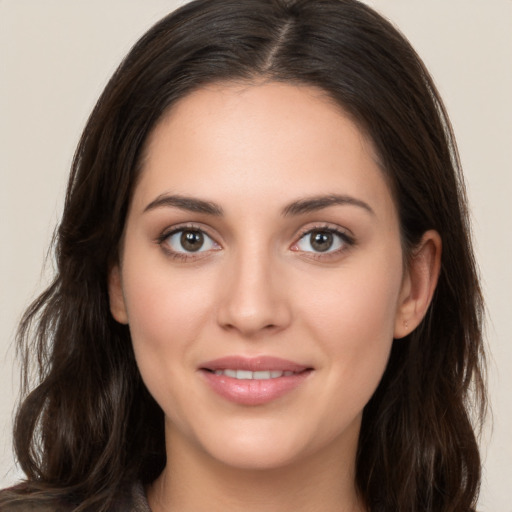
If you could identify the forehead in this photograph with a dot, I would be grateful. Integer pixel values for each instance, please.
(271, 139)
(269, 108)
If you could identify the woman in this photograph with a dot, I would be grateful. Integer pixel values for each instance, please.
(266, 289)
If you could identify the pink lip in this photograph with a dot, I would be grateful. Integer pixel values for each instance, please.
(252, 391)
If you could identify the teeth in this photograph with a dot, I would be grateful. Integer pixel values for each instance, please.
(243, 374)
(259, 375)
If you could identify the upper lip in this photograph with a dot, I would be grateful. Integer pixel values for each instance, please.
(254, 364)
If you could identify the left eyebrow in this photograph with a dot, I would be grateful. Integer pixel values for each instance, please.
(313, 204)
(190, 204)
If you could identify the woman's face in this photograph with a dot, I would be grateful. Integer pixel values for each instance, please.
(261, 275)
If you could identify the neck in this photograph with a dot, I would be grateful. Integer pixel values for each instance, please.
(194, 481)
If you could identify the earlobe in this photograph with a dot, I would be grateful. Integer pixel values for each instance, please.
(116, 297)
(419, 284)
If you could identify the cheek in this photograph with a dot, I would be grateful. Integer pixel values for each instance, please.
(161, 298)
(167, 310)
(352, 315)
(355, 300)
(166, 315)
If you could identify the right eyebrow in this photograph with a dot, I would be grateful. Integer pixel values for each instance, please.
(190, 204)
(313, 204)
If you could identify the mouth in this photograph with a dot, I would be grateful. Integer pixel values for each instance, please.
(248, 375)
(254, 381)
(255, 365)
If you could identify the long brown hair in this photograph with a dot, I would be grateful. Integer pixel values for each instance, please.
(89, 427)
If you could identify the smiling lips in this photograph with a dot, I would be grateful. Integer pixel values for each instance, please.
(248, 375)
(253, 381)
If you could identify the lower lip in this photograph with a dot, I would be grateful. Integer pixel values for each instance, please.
(254, 391)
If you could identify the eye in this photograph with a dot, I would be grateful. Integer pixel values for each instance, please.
(187, 241)
(323, 240)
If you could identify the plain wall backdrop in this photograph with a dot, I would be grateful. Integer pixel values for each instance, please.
(55, 58)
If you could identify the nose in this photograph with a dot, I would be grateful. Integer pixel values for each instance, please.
(254, 299)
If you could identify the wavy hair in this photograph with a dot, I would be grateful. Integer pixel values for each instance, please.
(88, 427)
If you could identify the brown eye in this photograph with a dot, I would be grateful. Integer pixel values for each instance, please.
(324, 240)
(321, 241)
(192, 240)
(188, 240)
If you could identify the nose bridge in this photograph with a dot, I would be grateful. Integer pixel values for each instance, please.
(252, 300)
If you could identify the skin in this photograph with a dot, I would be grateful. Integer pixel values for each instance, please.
(259, 287)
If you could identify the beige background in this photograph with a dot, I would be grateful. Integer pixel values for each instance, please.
(55, 58)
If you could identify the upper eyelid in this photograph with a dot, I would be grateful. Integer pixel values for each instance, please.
(184, 227)
(326, 227)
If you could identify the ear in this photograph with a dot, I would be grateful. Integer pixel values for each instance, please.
(116, 297)
(419, 284)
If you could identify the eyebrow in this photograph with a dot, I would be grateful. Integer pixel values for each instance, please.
(313, 204)
(190, 204)
(299, 207)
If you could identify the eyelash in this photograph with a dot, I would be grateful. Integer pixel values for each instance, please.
(347, 241)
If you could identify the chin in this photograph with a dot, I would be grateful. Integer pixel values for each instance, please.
(256, 457)
(252, 445)
(269, 445)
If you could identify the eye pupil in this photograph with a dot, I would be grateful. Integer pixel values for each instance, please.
(192, 240)
(321, 240)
